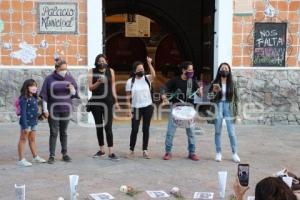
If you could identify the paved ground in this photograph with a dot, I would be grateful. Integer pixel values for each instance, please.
(266, 149)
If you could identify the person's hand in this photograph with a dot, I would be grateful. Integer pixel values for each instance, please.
(129, 113)
(100, 80)
(216, 89)
(117, 106)
(71, 87)
(165, 100)
(239, 190)
(149, 60)
(200, 91)
(46, 115)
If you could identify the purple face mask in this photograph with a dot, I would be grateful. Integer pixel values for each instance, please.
(189, 74)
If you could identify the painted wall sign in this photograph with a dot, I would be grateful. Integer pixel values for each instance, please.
(137, 26)
(269, 44)
(57, 18)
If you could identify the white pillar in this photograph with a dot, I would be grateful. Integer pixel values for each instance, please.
(223, 36)
(94, 35)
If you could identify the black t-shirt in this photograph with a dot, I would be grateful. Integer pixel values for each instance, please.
(179, 86)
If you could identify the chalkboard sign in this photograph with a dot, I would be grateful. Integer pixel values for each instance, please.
(57, 18)
(269, 44)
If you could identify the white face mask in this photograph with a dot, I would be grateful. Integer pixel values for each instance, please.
(62, 73)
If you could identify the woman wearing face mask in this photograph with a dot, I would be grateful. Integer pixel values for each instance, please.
(139, 101)
(59, 88)
(101, 81)
(183, 86)
(225, 97)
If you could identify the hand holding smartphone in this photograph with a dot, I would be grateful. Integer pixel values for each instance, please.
(216, 87)
(243, 174)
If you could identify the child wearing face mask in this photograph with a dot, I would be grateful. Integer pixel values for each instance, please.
(28, 121)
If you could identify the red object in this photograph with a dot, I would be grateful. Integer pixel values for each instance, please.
(193, 157)
(167, 156)
(18, 107)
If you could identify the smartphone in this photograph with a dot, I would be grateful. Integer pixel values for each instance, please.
(243, 174)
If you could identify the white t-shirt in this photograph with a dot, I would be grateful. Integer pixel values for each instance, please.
(140, 92)
(223, 92)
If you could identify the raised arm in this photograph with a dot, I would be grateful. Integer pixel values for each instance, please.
(151, 68)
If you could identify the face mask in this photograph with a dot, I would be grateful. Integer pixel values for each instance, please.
(189, 74)
(32, 89)
(101, 65)
(224, 73)
(62, 73)
(140, 73)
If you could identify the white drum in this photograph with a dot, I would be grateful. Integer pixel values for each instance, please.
(184, 116)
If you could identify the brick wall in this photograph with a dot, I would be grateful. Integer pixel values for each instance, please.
(287, 11)
(20, 21)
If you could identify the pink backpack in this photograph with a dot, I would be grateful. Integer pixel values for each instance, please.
(17, 106)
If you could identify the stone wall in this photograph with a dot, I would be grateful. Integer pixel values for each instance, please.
(11, 81)
(269, 97)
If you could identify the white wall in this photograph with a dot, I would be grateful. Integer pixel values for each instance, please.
(223, 36)
(94, 34)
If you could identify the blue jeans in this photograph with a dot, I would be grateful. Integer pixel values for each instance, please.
(224, 112)
(170, 135)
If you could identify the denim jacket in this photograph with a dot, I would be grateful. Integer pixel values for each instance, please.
(29, 112)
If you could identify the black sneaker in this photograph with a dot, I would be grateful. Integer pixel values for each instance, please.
(113, 157)
(99, 154)
(51, 160)
(66, 158)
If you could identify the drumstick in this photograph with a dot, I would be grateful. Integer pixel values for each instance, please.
(193, 93)
(175, 94)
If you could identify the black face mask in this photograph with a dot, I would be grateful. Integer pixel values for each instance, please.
(101, 65)
(140, 73)
(224, 73)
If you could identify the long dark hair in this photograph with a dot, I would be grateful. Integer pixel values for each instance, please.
(98, 57)
(229, 81)
(25, 91)
(134, 66)
(273, 188)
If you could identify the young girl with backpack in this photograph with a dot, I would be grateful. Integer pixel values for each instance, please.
(139, 101)
(28, 111)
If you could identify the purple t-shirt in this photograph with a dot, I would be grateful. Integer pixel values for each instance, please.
(56, 93)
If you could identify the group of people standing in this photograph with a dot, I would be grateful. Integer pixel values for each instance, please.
(59, 88)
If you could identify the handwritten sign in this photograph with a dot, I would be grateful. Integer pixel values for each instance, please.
(269, 44)
(138, 27)
(57, 18)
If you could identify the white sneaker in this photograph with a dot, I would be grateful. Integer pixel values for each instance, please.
(24, 163)
(218, 157)
(38, 159)
(236, 158)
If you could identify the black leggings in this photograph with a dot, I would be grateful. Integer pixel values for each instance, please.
(101, 114)
(138, 113)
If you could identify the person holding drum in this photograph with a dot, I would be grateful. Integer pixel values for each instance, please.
(139, 101)
(223, 93)
(182, 89)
